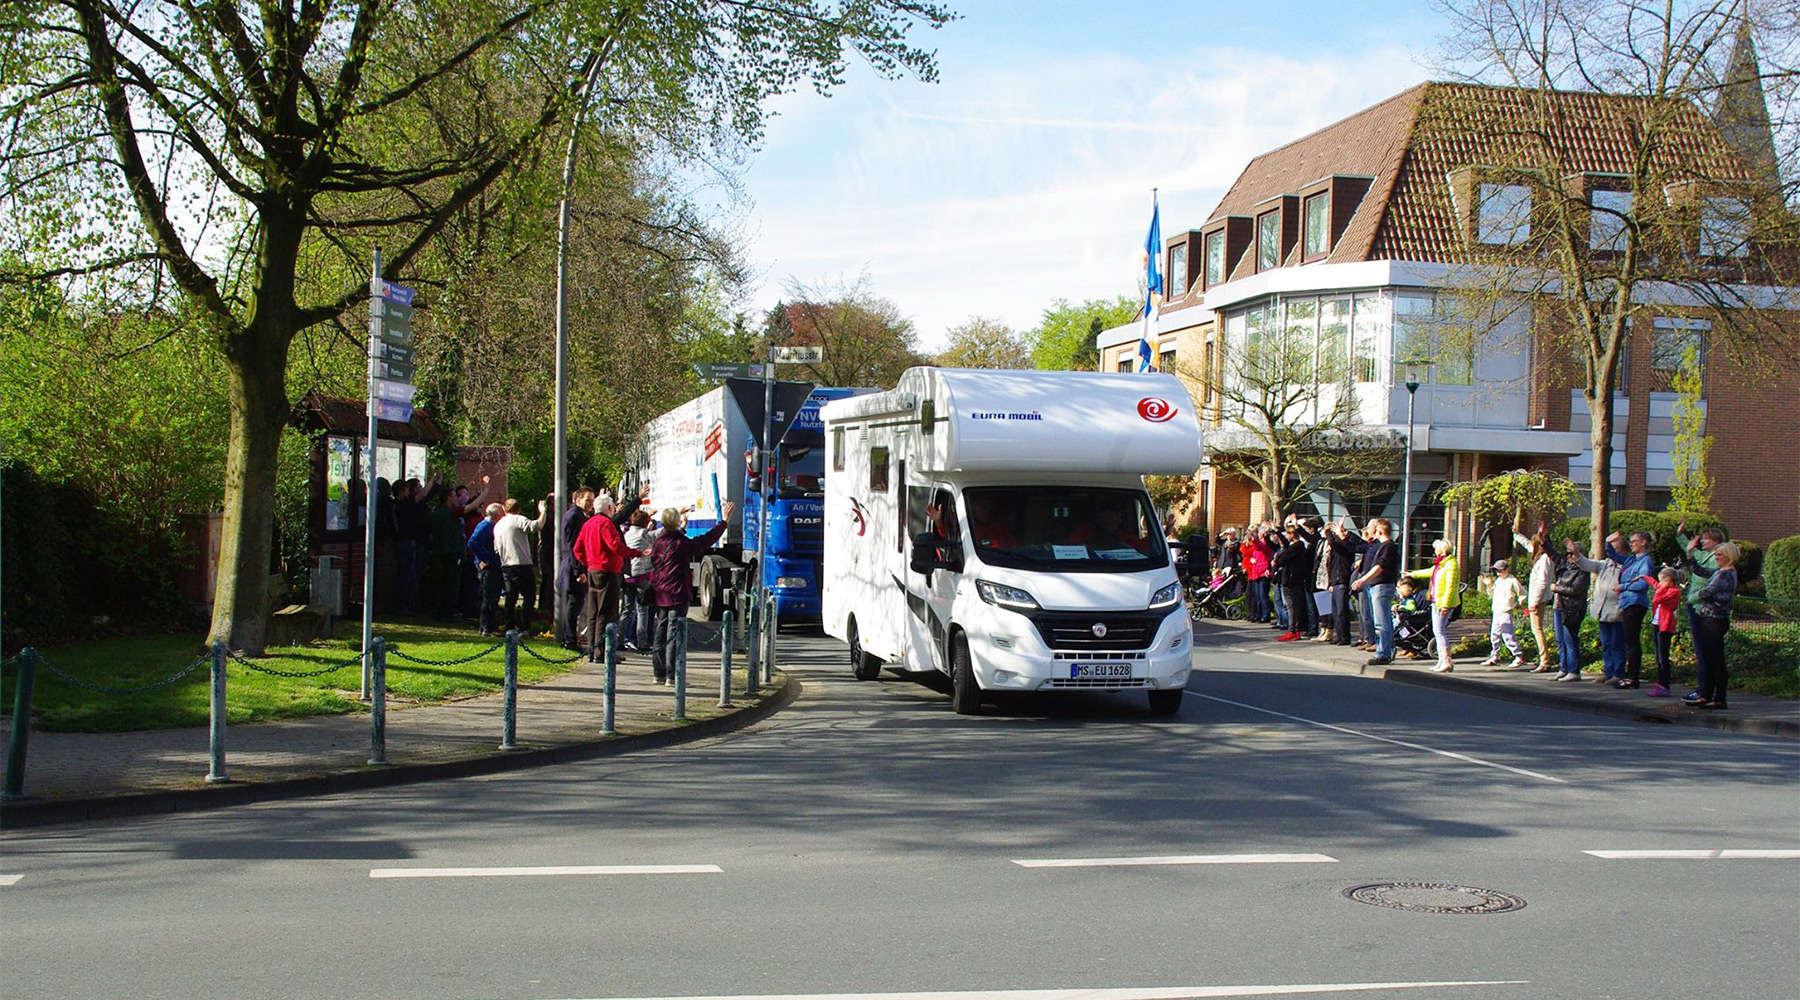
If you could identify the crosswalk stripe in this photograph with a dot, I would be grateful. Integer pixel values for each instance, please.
(10, 879)
(1728, 854)
(545, 870)
(1153, 993)
(1179, 859)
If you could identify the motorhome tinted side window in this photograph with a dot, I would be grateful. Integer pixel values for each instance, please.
(878, 470)
(837, 449)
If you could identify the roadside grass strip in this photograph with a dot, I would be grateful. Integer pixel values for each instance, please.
(545, 870)
(1179, 859)
(10, 879)
(1383, 739)
(1727, 854)
(1152, 993)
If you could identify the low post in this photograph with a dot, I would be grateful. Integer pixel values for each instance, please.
(509, 701)
(21, 725)
(680, 666)
(215, 772)
(772, 625)
(378, 702)
(725, 644)
(611, 690)
(752, 642)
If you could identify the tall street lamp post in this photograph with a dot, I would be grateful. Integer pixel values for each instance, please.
(1413, 371)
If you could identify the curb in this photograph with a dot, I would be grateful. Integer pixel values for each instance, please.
(1670, 714)
(27, 812)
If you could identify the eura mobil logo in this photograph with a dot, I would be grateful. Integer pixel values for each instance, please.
(1155, 410)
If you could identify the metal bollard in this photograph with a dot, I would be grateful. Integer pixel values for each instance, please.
(725, 643)
(215, 773)
(378, 702)
(509, 701)
(752, 643)
(21, 725)
(769, 630)
(679, 663)
(612, 680)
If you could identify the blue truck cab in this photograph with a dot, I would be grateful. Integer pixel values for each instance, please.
(795, 495)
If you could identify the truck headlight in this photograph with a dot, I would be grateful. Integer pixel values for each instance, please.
(1002, 596)
(790, 581)
(1167, 597)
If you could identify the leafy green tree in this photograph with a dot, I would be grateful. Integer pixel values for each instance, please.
(1690, 491)
(1064, 338)
(867, 341)
(981, 342)
(251, 155)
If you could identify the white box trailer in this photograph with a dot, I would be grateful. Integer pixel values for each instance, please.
(994, 526)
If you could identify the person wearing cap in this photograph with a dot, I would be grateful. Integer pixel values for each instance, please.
(1507, 595)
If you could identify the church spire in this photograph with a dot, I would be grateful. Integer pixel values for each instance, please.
(1742, 112)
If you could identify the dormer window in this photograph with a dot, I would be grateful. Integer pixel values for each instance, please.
(1178, 270)
(1607, 228)
(1268, 241)
(1315, 227)
(1503, 214)
(1215, 258)
(1725, 228)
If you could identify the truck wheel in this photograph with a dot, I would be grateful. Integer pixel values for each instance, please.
(863, 667)
(712, 594)
(1165, 702)
(965, 691)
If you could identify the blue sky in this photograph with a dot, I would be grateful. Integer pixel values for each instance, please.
(1025, 173)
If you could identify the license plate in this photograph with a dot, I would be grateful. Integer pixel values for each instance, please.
(1107, 671)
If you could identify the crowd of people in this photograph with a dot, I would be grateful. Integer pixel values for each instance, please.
(454, 554)
(1329, 582)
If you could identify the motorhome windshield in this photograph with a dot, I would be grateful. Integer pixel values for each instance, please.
(1064, 528)
(802, 470)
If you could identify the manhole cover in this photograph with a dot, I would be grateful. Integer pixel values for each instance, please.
(1434, 897)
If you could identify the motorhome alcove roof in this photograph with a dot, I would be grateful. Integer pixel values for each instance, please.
(1014, 421)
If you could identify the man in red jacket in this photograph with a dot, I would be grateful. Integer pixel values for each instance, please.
(601, 548)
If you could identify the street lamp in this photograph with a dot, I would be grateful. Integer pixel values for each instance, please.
(1415, 371)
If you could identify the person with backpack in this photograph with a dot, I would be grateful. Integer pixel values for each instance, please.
(1570, 597)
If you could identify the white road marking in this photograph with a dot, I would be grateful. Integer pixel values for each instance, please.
(10, 879)
(1383, 739)
(550, 870)
(1180, 859)
(1162, 993)
(1722, 855)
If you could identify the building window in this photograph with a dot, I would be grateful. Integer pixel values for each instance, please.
(1178, 271)
(1215, 259)
(1412, 331)
(1268, 241)
(1127, 363)
(1368, 323)
(1209, 373)
(1607, 227)
(837, 449)
(1300, 336)
(1315, 240)
(1675, 344)
(1334, 339)
(878, 470)
(1504, 217)
(1657, 500)
(1725, 228)
(1165, 362)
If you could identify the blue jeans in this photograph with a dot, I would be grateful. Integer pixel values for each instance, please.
(1568, 631)
(1282, 613)
(1363, 606)
(1381, 599)
(1612, 648)
(1259, 600)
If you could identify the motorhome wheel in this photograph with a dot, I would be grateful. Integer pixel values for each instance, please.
(862, 666)
(965, 691)
(1165, 702)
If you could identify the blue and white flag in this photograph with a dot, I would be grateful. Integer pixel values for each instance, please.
(1153, 284)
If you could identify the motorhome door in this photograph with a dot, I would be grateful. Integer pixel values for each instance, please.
(931, 511)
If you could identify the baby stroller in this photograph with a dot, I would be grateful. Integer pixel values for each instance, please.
(1220, 597)
(1412, 631)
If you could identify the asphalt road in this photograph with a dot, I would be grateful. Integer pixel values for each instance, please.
(867, 841)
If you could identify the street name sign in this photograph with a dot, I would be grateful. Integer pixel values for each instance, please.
(796, 355)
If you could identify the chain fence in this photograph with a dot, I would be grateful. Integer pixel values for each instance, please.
(273, 672)
(88, 685)
(553, 661)
(395, 651)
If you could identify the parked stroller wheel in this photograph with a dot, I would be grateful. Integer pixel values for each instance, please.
(1234, 612)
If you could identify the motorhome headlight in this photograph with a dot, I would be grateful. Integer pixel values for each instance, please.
(1002, 596)
(1167, 597)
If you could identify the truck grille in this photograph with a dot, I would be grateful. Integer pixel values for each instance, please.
(1064, 630)
(807, 537)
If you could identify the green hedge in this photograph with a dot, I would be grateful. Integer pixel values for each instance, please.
(1664, 549)
(1781, 574)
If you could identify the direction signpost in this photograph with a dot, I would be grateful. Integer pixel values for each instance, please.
(390, 398)
(719, 373)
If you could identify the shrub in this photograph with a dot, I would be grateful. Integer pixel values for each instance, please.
(1662, 527)
(1750, 562)
(1781, 575)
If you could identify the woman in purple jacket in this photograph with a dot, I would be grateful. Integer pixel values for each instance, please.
(672, 582)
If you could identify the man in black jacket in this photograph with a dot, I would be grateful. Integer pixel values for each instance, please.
(1344, 550)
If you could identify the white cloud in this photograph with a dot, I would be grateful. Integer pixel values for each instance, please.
(1027, 178)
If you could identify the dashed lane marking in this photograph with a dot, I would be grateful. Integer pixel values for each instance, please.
(1383, 739)
(1180, 859)
(1728, 854)
(1155, 993)
(10, 879)
(546, 870)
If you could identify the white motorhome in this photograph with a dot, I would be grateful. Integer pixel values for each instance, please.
(994, 526)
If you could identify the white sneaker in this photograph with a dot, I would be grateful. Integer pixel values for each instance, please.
(1490, 662)
(1518, 661)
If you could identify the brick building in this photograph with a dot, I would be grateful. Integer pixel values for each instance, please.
(1368, 236)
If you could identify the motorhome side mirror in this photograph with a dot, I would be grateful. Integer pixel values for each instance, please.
(925, 554)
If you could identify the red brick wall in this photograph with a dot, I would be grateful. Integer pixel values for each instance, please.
(1754, 421)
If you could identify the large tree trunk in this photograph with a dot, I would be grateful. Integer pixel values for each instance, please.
(1600, 437)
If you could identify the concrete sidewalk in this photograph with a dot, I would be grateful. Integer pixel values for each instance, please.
(71, 777)
(1748, 713)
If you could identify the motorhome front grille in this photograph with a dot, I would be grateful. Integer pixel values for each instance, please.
(1096, 657)
(1098, 682)
(1106, 630)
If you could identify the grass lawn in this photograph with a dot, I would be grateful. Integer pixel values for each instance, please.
(254, 696)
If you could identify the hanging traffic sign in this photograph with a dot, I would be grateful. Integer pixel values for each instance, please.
(399, 392)
(389, 350)
(396, 371)
(387, 409)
